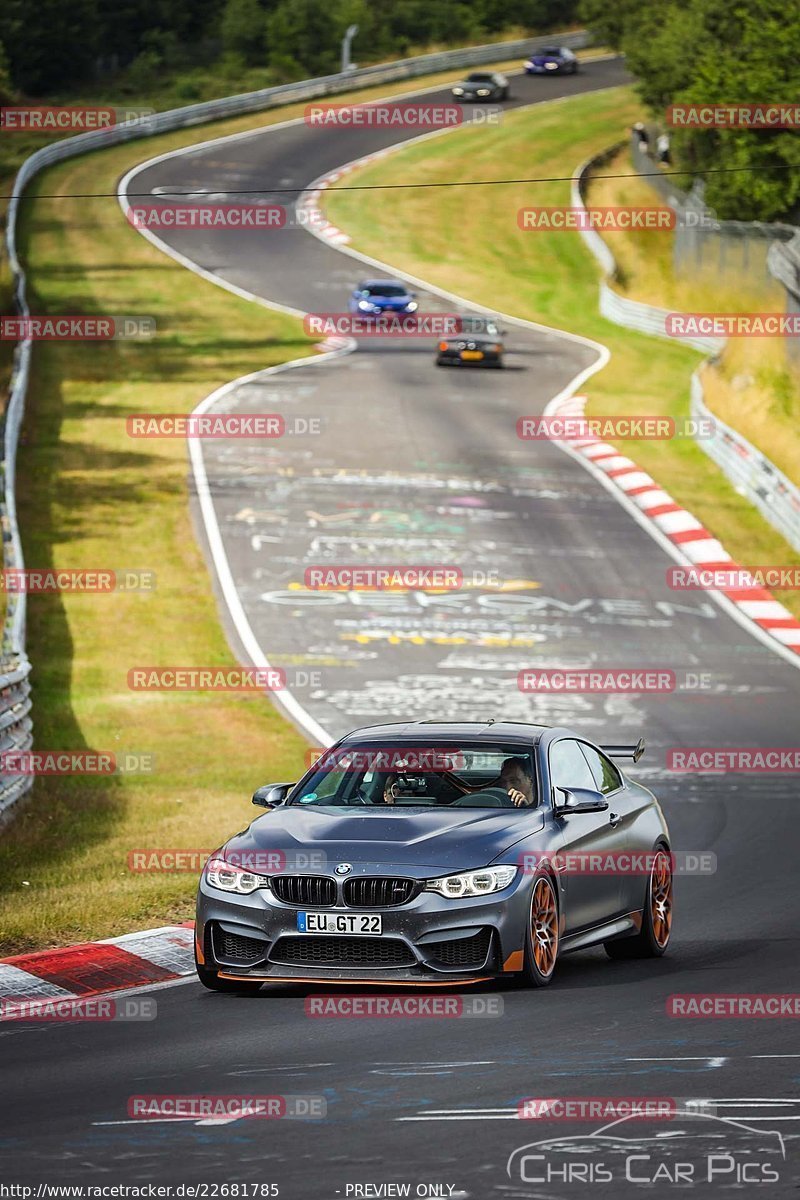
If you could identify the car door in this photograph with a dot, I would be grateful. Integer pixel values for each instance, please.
(625, 806)
(592, 894)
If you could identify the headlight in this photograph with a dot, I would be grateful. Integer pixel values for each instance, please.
(412, 306)
(458, 91)
(483, 91)
(224, 875)
(551, 66)
(365, 305)
(473, 883)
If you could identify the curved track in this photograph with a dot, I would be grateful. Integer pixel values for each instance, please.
(414, 455)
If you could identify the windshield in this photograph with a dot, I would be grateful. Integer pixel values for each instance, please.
(384, 289)
(400, 775)
(479, 79)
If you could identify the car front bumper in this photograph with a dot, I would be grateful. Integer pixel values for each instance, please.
(429, 940)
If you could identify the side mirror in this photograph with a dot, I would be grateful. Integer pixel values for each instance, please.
(581, 800)
(272, 795)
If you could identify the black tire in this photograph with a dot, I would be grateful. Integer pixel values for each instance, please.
(575, 68)
(652, 939)
(210, 979)
(506, 94)
(534, 972)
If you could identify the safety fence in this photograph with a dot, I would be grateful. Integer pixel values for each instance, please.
(704, 242)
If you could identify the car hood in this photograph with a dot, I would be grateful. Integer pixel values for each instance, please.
(539, 60)
(407, 839)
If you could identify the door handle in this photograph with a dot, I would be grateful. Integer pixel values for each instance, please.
(613, 820)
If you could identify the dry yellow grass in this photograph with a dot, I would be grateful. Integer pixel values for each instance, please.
(754, 387)
(550, 277)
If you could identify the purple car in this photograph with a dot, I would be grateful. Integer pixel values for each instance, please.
(553, 60)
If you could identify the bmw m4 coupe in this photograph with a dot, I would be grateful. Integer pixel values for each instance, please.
(433, 853)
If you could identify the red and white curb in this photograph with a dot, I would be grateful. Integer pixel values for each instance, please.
(310, 213)
(681, 528)
(135, 960)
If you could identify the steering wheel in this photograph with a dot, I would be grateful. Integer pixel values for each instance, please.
(496, 797)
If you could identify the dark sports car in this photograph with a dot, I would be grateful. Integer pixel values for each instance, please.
(482, 85)
(433, 853)
(480, 344)
(555, 60)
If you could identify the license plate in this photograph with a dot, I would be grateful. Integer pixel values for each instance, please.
(472, 355)
(345, 923)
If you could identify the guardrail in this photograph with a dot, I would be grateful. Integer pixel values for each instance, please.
(15, 721)
(631, 314)
(783, 262)
(750, 471)
(704, 240)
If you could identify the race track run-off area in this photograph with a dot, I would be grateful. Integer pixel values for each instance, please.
(415, 464)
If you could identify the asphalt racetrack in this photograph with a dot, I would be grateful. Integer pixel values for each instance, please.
(414, 455)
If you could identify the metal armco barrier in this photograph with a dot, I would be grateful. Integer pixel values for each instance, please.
(783, 262)
(750, 471)
(15, 721)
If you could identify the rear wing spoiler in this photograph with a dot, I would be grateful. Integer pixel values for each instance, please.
(632, 752)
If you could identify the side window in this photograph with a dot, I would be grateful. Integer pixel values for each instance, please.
(568, 767)
(607, 777)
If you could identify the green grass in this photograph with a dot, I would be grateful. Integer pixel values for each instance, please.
(90, 496)
(548, 277)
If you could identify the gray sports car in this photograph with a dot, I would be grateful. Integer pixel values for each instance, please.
(434, 853)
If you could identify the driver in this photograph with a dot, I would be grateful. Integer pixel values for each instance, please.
(516, 780)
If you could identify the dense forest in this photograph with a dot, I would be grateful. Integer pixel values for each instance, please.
(53, 45)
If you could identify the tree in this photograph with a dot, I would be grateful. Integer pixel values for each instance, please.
(749, 54)
(243, 33)
(50, 44)
(717, 52)
(610, 23)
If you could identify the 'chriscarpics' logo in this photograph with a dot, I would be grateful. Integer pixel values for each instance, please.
(691, 1148)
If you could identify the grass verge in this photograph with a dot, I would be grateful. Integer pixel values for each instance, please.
(549, 277)
(754, 386)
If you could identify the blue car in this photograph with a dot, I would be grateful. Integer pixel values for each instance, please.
(553, 60)
(376, 296)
